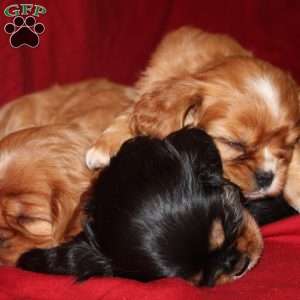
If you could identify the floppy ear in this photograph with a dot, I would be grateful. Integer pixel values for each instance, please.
(169, 106)
(28, 217)
(200, 148)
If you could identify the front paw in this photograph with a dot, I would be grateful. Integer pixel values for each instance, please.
(108, 144)
(97, 157)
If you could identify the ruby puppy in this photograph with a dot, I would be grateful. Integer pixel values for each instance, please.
(44, 137)
(209, 81)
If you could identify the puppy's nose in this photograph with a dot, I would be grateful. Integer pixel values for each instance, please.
(264, 178)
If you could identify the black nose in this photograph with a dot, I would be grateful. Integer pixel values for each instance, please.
(263, 178)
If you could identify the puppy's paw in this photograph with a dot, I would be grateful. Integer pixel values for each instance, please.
(107, 145)
(97, 157)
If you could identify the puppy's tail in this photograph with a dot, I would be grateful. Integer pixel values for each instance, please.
(270, 209)
(80, 257)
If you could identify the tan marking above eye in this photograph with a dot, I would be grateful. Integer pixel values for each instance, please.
(217, 235)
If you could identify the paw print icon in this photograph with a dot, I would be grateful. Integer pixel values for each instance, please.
(24, 32)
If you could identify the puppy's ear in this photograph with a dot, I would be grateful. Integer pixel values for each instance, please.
(32, 218)
(80, 257)
(200, 148)
(168, 106)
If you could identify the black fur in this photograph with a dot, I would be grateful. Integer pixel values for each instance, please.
(151, 213)
(270, 209)
(77, 257)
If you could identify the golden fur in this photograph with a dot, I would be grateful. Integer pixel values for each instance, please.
(42, 171)
(248, 106)
(292, 187)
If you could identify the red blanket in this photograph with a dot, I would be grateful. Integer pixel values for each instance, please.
(114, 38)
(276, 277)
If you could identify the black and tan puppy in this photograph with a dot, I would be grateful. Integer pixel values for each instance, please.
(160, 209)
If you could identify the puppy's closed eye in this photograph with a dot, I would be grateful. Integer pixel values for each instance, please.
(27, 217)
(231, 149)
(239, 146)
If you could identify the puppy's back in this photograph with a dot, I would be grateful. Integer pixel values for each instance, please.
(191, 50)
(78, 102)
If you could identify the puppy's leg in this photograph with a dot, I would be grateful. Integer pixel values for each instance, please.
(110, 141)
(78, 257)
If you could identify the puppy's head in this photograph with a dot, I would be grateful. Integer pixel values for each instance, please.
(162, 209)
(252, 111)
(41, 178)
(249, 107)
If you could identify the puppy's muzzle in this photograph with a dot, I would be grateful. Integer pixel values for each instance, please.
(264, 178)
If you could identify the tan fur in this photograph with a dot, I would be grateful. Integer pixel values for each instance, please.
(248, 106)
(42, 171)
(292, 187)
(250, 239)
(217, 235)
(249, 244)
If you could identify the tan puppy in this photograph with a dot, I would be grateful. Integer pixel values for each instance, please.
(248, 106)
(42, 169)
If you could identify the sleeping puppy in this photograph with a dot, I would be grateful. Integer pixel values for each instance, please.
(42, 179)
(42, 170)
(89, 102)
(209, 81)
(160, 209)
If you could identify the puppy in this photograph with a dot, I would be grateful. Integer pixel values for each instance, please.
(160, 209)
(42, 169)
(209, 81)
(87, 102)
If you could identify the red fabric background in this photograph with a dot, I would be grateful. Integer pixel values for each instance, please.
(114, 38)
(276, 277)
